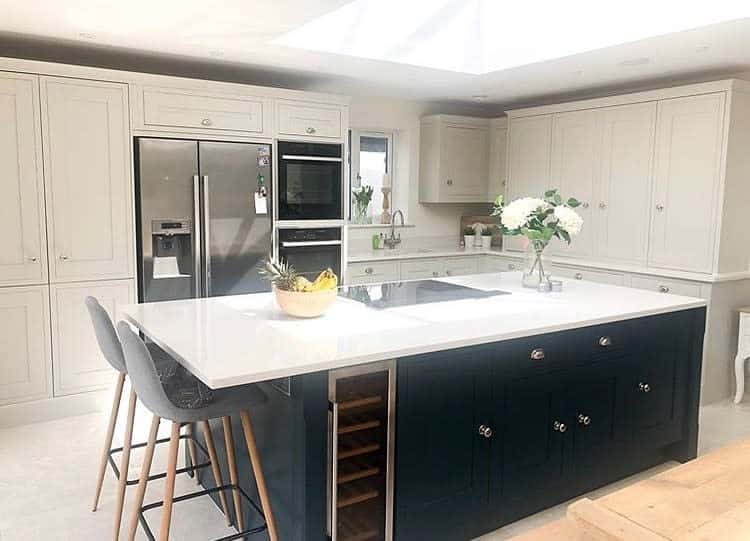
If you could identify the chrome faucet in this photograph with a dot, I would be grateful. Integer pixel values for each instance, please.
(392, 241)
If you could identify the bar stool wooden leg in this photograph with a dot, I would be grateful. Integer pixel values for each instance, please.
(108, 438)
(215, 468)
(229, 444)
(260, 480)
(148, 457)
(124, 464)
(192, 451)
(166, 516)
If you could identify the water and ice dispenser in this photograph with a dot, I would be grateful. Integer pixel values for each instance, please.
(172, 249)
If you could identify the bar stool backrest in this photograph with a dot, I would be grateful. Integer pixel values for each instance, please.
(106, 335)
(145, 378)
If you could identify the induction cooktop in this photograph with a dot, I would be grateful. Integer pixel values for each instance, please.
(393, 294)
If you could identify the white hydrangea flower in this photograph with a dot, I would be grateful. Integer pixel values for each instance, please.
(569, 220)
(516, 214)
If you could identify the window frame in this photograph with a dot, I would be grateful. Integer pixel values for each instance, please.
(354, 135)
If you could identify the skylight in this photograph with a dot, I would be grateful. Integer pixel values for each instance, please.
(482, 36)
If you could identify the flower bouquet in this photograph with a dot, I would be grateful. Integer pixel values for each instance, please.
(539, 220)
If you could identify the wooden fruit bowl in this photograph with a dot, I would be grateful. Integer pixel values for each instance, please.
(305, 304)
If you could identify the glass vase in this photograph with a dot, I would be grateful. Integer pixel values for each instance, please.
(535, 273)
(360, 214)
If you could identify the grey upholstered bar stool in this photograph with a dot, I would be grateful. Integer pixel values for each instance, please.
(111, 348)
(225, 403)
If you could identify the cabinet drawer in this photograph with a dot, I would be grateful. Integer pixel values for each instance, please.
(163, 107)
(493, 263)
(420, 269)
(461, 266)
(602, 340)
(602, 277)
(309, 120)
(372, 272)
(662, 285)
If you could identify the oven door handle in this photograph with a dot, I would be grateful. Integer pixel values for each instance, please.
(290, 244)
(310, 158)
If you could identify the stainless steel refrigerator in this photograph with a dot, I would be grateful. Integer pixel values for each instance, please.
(204, 217)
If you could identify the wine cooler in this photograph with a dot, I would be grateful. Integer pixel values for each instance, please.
(361, 449)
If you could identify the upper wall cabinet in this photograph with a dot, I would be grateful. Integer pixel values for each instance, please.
(454, 156)
(88, 178)
(309, 120)
(23, 244)
(498, 166)
(686, 182)
(662, 174)
(196, 111)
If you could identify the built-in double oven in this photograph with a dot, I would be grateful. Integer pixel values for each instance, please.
(311, 181)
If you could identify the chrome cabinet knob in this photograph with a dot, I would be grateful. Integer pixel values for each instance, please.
(659, 207)
(33, 259)
(368, 270)
(605, 341)
(584, 420)
(663, 289)
(602, 205)
(435, 274)
(511, 266)
(448, 273)
(485, 431)
(63, 257)
(557, 426)
(310, 130)
(578, 276)
(644, 387)
(537, 354)
(449, 182)
(206, 122)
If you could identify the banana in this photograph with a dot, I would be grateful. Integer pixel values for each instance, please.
(326, 280)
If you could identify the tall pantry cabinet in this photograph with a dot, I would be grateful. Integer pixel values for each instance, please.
(65, 229)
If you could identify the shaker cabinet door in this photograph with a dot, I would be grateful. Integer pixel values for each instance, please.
(528, 162)
(87, 163)
(25, 360)
(23, 242)
(687, 167)
(464, 156)
(622, 208)
(79, 363)
(442, 461)
(573, 171)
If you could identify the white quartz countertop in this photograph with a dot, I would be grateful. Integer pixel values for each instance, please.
(228, 341)
(387, 254)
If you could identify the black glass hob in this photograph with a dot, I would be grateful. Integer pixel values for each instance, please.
(394, 294)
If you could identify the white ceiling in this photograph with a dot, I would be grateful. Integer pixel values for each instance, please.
(246, 33)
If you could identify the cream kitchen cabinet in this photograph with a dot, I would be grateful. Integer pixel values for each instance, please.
(590, 275)
(372, 272)
(87, 163)
(498, 164)
(622, 206)
(529, 150)
(667, 285)
(79, 365)
(25, 359)
(454, 159)
(202, 111)
(23, 241)
(688, 159)
(309, 119)
(573, 171)
(460, 266)
(496, 263)
(422, 269)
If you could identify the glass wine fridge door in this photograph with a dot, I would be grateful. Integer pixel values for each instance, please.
(361, 445)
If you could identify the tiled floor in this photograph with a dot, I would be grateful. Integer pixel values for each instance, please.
(47, 475)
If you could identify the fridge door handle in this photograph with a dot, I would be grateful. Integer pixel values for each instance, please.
(206, 237)
(196, 234)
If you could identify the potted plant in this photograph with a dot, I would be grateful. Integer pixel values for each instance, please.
(487, 237)
(539, 220)
(362, 199)
(295, 294)
(468, 237)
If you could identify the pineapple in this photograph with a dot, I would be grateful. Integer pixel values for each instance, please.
(281, 274)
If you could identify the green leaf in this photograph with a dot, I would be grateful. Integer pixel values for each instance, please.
(550, 193)
(573, 202)
(558, 199)
(564, 234)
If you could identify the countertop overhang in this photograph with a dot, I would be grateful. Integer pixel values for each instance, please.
(227, 341)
